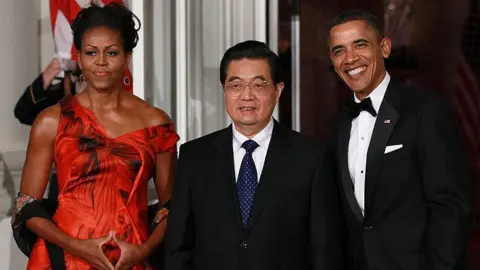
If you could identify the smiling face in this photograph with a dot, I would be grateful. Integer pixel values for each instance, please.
(357, 55)
(102, 58)
(250, 94)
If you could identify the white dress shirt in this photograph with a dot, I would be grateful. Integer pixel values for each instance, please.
(263, 140)
(360, 135)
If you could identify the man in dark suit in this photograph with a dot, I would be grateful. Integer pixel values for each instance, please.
(254, 195)
(404, 177)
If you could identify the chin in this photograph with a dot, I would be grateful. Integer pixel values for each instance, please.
(102, 86)
(357, 87)
(247, 122)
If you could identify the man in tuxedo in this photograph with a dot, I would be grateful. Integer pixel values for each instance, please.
(403, 174)
(254, 195)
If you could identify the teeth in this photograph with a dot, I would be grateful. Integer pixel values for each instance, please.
(246, 109)
(356, 71)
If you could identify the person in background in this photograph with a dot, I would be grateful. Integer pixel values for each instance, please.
(43, 92)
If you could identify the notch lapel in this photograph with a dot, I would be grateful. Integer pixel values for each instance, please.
(346, 180)
(225, 178)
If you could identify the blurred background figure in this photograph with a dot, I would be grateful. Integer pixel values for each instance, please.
(46, 90)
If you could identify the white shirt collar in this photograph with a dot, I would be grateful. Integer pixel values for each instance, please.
(378, 93)
(262, 138)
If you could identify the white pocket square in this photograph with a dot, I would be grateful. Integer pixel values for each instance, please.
(392, 148)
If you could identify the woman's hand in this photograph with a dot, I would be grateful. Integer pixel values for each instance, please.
(130, 254)
(90, 251)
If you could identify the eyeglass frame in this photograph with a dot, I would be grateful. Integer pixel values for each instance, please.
(249, 84)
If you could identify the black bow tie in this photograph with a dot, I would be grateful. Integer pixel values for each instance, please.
(354, 108)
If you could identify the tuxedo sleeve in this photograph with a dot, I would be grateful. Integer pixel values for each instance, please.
(35, 99)
(326, 234)
(179, 239)
(447, 186)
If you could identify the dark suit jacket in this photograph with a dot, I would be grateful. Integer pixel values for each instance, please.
(35, 99)
(417, 198)
(294, 222)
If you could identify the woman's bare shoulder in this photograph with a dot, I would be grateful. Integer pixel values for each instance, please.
(46, 123)
(153, 116)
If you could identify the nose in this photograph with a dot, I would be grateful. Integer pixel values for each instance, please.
(351, 57)
(101, 60)
(247, 93)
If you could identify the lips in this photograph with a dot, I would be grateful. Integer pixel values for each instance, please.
(101, 73)
(247, 109)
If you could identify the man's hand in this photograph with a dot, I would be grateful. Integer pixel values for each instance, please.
(50, 73)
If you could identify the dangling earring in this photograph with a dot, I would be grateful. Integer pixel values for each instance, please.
(81, 78)
(126, 81)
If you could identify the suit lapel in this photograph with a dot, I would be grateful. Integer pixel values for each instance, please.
(226, 175)
(342, 150)
(273, 169)
(384, 125)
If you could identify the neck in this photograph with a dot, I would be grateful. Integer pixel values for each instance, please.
(250, 131)
(103, 99)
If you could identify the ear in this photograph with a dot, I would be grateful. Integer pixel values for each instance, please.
(79, 62)
(330, 54)
(386, 47)
(279, 87)
(128, 57)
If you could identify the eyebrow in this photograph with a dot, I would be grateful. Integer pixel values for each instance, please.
(107, 47)
(233, 78)
(361, 40)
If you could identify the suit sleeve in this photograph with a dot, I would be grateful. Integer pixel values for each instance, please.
(326, 226)
(179, 239)
(35, 99)
(447, 186)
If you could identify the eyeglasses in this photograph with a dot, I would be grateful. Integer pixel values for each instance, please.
(236, 87)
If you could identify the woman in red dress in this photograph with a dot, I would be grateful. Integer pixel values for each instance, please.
(106, 144)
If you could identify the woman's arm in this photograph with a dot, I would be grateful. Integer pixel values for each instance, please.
(164, 174)
(36, 170)
(38, 163)
(166, 163)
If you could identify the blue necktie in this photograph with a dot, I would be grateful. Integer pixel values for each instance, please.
(247, 180)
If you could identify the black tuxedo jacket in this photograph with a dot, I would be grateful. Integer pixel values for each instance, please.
(417, 198)
(295, 216)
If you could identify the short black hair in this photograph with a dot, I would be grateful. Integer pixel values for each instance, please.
(357, 15)
(114, 16)
(251, 49)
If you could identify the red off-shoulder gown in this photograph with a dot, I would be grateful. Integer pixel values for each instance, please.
(102, 182)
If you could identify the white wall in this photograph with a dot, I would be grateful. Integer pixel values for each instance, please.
(47, 48)
(210, 27)
(19, 57)
(19, 54)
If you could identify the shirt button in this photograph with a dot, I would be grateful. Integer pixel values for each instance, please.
(361, 171)
(362, 138)
(243, 245)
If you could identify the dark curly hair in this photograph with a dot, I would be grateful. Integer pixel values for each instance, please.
(114, 16)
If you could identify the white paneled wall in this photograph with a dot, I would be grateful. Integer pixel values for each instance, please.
(207, 28)
(19, 51)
